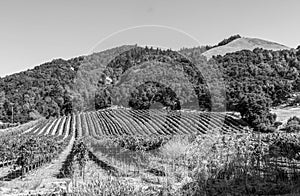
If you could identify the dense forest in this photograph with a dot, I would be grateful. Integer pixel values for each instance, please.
(53, 89)
(119, 70)
(42, 91)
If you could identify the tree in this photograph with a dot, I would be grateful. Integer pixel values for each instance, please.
(254, 109)
(293, 125)
(2, 98)
(150, 92)
(2, 102)
(102, 99)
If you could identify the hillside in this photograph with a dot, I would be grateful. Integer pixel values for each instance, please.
(55, 88)
(62, 87)
(244, 43)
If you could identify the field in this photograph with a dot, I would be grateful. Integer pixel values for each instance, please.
(283, 114)
(144, 152)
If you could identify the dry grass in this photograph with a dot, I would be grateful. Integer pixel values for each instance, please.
(283, 114)
(243, 44)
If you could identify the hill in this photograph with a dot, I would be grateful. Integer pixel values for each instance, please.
(62, 87)
(55, 88)
(243, 43)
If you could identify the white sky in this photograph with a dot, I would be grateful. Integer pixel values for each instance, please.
(33, 31)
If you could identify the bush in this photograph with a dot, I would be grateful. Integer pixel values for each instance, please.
(294, 120)
(296, 101)
(293, 129)
(136, 143)
(293, 125)
(266, 129)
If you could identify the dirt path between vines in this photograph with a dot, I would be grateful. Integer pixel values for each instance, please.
(41, 180)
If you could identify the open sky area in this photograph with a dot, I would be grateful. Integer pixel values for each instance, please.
(33, 32)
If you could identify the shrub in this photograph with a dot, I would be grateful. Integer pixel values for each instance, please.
(296, 100)
(293, 120)
(143, 143)
(293, 125)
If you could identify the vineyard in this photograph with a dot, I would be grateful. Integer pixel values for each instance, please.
(32, 145)
(51, 148)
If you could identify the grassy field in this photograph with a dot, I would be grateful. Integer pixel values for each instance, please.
(283, 114)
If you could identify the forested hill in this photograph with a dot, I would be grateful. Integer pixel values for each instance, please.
(44, 90)
(63, 86)
(55, 88)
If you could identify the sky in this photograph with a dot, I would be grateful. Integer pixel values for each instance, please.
(33, 32)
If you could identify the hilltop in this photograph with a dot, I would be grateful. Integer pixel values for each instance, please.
(243, 43)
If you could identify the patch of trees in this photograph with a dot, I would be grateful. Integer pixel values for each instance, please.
(224, 42)
(149, 93)
(293, 125)
(42, 91)
(192, 51)
(102, 99)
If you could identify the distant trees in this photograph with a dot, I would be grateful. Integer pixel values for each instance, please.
(2, 102)
(103, 99)
(42, 91)
(228, 40)
(137, 56)
(149, 93)
(224, 42)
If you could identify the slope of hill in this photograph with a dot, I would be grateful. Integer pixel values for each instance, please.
(55, 88)
(244, 44)
(62, 86)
